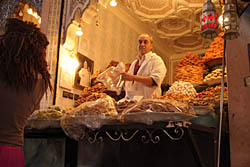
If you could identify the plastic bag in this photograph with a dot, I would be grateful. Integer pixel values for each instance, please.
(92, 114)
(46, 118)
(153, 105)
(102, 106)
(51, 113)
(112, 79)
(149, 110)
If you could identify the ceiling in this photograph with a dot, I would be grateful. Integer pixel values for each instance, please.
(175, 22)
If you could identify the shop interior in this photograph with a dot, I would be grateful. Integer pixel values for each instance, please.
(88, 37)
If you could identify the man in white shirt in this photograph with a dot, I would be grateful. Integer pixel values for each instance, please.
(146, 73)
(84, 75)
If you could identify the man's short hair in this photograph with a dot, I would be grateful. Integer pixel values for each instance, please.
(146, 35)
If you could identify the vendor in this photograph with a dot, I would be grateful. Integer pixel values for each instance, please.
(146, 73)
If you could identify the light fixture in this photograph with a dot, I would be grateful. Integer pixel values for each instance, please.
(113, 3)
(30, 11)
(209, 20)
(39, 21)
(79, 31)
(220, 20)
(35, 15)
(230, 24)
(20, 13)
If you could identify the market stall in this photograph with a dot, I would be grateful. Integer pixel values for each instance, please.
(102, 150)
(99, 120)
(196, 84)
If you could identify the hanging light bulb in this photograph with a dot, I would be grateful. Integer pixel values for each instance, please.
(35, 15)
(113, 3)
(30, 11)
(39, 21)
(209, 22)
(79, 31)
(221, 20)
(230, 23)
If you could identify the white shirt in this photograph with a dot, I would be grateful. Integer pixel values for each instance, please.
(153, 66)
(85, 77)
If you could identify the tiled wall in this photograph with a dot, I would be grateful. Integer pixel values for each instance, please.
(52, 35)
(111, 40)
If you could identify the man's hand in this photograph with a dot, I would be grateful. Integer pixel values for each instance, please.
(127, 77)
(146, 80)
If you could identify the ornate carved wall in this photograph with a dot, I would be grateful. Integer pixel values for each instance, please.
(8, 7)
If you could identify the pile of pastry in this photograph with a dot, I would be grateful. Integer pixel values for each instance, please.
(210, 96)
(216, 74)
(94, 76)
(155, 105)
(179, 97)
(51, 113)
(97, 88)
(191, 59)
(88, 97)
(190, 69)
(180, 87)
(189, 73)
(121, 105)
(215, 50)
(104, 105)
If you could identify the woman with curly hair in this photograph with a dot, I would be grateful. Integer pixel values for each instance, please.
(24, 78)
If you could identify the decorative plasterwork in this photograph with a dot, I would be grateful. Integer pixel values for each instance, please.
(192, 3)
(190, 41)
(176, 21)
(89, 14)
(8, 7)
(173, 26)
(72, 7)
(197, 14)
(184, 12)
(148, 10)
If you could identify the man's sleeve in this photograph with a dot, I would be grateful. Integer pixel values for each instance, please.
(158, 70)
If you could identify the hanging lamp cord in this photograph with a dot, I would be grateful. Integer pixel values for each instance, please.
(221, 105)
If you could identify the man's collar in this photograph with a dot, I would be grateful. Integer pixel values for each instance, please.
(143, 56)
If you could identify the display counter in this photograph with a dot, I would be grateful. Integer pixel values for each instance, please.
(49, 147)
(133, 145)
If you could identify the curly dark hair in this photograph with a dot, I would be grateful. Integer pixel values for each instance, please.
(23, 55)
